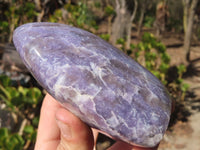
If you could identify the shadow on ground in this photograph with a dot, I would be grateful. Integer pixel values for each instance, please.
(193, 69)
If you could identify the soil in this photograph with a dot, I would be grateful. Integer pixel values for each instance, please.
(184, 134)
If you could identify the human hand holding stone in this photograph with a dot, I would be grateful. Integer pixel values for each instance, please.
(60, 129)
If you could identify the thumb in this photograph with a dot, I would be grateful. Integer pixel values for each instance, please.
(74, 134)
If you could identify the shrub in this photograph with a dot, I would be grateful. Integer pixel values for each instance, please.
(77, 15)
(152, 54)
(23, 103)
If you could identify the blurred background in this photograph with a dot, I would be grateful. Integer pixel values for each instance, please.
(162, 35)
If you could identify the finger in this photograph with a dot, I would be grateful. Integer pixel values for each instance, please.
(75, 135)
(48, 132)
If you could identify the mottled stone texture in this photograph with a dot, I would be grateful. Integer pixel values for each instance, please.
(97, 82)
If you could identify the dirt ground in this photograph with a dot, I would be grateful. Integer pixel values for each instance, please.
(184, 134)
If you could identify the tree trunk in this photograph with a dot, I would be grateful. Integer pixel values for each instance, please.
(118, 27)
(11, 28)
(162, 14)
(121, 27)
(186, 4)
(40, 16)
(12, 22)
(109, 24)
(141, 20)
(188, 28)
(144, 5)
(129, 25)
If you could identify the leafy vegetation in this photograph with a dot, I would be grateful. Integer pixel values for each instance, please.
(9, 141)
(77, 15)
(23, 103)
(148, 21)
(156, 58)
(177, 87)
(15, 14)
(152, 55)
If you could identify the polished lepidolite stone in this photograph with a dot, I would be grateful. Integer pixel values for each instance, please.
(97, 82)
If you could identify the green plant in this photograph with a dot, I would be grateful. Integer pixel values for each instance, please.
(77, 15)
(10, 141)
(182, 86)
(30, 133)
(181, 69)
(148, 21)
(109, 10)
(17, 13)
(97, 4)
(23, 103)
(106, 37)
(156, 58)
(20, 97)
(122, 43)
(152, 55)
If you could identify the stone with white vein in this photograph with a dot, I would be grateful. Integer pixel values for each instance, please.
(97, 82)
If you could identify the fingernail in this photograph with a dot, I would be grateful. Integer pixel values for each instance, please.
(65, 129)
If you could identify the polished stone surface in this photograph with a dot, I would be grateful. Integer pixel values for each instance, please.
(97, 82)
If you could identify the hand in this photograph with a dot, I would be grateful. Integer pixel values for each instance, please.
(61, 130)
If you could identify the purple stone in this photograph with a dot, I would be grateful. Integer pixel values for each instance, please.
(97, 82)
